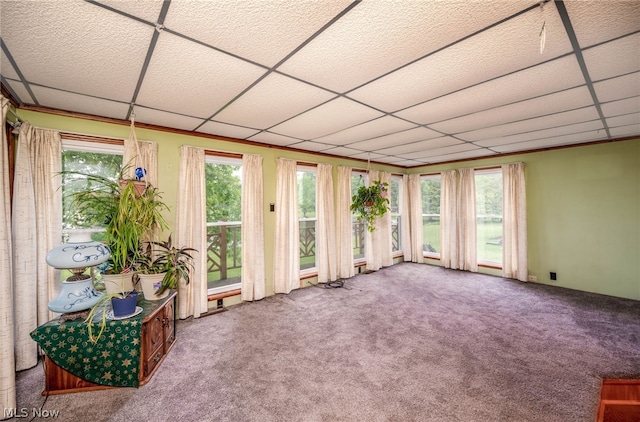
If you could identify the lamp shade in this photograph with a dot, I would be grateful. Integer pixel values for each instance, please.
(79, 252)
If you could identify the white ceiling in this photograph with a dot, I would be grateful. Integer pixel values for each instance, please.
(404, 82)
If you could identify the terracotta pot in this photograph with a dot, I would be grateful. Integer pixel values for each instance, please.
(138, 186)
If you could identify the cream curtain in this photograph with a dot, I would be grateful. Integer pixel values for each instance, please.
(448, 219)
(467, 221)
(405, 222)
(36, 228)
(287, 231)
(344, 230)
(385, 242)
(514, 246)
(7, 357)
(190, 231)
(378, 243)
(253, 272)
(326, 259)
(415, 216)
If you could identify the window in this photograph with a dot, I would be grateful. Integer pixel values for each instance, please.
(307, 216)
(395, 200)
(358, 179)
(489, 216)
(430, 192)
(224, 228)
(85, 157)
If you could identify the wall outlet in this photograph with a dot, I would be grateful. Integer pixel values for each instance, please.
(532, 278)
(553, 276)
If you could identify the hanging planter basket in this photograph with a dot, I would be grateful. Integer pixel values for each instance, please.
(371, 202)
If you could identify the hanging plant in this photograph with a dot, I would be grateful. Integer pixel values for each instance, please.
(371, 202)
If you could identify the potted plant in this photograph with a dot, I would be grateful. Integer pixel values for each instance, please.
(371, 202)
(120, 304)
(161, 268)
(130, 216)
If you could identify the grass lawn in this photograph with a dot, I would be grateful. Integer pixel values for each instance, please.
(488, 236)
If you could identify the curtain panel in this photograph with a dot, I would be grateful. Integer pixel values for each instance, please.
(142, 154)
(448, 219)
(190, 230)
(405, 226)
(344, 231)
(7, 357)
(36, 228)
(514, 210)
(286, 276)
(253, 271)
(466, 218)
(326, 259)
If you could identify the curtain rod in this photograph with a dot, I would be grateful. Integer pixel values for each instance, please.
(15, 115)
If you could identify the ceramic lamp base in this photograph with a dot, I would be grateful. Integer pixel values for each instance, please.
(75, 296)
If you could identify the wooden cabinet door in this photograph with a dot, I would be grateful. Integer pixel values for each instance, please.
(169, 325)
(152, 341)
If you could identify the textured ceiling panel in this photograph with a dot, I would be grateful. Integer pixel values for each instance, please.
(469, 62)
(80, 103)
(518, 86)
(342, 151)
(7, 68)
(618, 88)
(215, 128)
(256, 107)
(20, 91)
(385, 35)
(543, 134)
(331, 117)
(548, 104)
(218, 78)
(148, 10)
(162, 118)
(403, 150)
(261, 31)
(80, 47)
(398, 138)
(598, 21)
(374, 128)
(426, 153)
(625, 120)
(631, 130)
(551, 142)
(273, 138)
(560, 119)
(616, 108)
(312, 146)
(625, 52)
(465, 155)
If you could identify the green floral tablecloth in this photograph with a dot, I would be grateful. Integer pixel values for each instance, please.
(114, 360)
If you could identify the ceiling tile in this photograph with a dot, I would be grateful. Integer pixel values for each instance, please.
(7, 69)
(551, 142)
(230, 131)
(368, 156)
(624, 120)
(77, 47)
(598, 21)
(22, 93)
(191, 79)
(542, 134)
(311, 146)
(435, 152)
(80, 103)
(618, 88)
(342, 151)
(273, 138)
(615, 108)
(372, 49)
(560, 119)
(465, 155)
(331, 117)
(394, 139)
(517, 86)
(256, 108)
(536, 107)
(631, 130)
(402, 150)
(625, 52)
(374, 128)
(148, 10)
(261, 31)
(511, 46)
(162, 118)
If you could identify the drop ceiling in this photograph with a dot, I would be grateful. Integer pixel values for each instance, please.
(403, 82)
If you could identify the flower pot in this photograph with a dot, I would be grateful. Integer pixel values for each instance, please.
(115, 283)
(151, 284)
(125, 306)
(138, 186)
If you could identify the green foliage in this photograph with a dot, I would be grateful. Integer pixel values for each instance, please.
(371, 202)
(223, 190)
(100, 309)
(163, 257)
(430, 192)
(307, 194)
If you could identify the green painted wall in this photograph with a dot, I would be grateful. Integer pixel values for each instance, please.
(583, 208)
(583, 203)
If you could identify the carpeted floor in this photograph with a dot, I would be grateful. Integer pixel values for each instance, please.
(407, 343)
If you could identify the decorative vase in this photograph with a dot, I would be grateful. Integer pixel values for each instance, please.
(123, 307)
(115, 283)
(151, 283)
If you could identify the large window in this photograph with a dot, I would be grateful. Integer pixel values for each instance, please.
(358, 178)
(224, 228)
(489, 216)
(430, 192)
(307, 215)
(395, 203)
